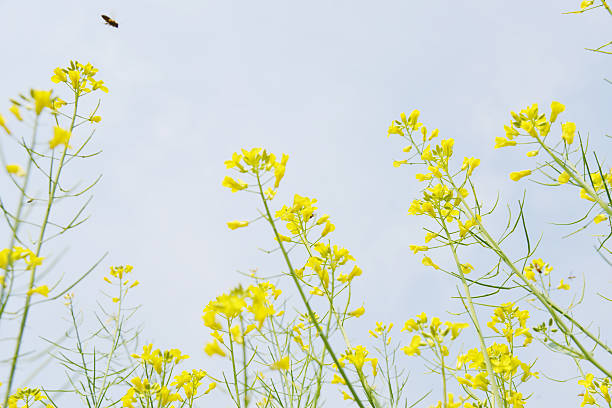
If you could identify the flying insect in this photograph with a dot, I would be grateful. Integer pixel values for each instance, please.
(110, 21)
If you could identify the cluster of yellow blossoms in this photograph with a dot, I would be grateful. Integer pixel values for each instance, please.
(542, 269)
(255, 299)
(118, 273)
(80, 79)
(504, 362)
(260, 164)
(506, 314)
(28, 396)
(432, 333)
(9, 256)
(592, 387)
(535, 127)
(160, 364)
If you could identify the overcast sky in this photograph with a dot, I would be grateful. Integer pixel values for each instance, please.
(193, 81)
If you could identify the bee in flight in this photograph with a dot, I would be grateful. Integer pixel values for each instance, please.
(110, 21)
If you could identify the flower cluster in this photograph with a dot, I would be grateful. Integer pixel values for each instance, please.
(154, 384)
(29, 396)
(593, 387)
(259, 164)
(431, 334)
(509, 314)
(117, 273)
(79, 77)
(358, 356)
(255, 299)
(8, 257)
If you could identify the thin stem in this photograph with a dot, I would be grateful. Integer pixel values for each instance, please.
(543, 298)
(15, 227)
(470, 305)
(304, 300)
(24, 317)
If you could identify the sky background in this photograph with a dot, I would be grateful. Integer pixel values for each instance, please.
(193, 81)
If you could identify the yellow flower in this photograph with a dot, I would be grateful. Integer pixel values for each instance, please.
(588, 399)
(466, 268)
(428, 262)
(42, 99)
(511, 132)
(427, 154)
(397, 163)
(556, 108)
(418, 248)
(237, 334)
(15, 169)
(128, 399)
(503, 142)
(234, 185)
(407, 149)
(60, 75)
(358, 312)
(395, 130)
(60, 136)
(279, 171)
(213, 348)
(585, 195)
(563, 178)
(3, 125)
(237, 224)
(41, 290)
(412, 119)
(423, 177)
(346, 396)
(568, 130)
(317, 292)
(282, 364)
(98, 85)
(413, 348)
(599, 218)
(517, 175)
(329, 227)
(586, 3)
(532, 153)
(604, 392)
(456, 328)
(75, 78)
(470, 164)
(58, 103)
(563, 286)
(338, 380)
(529, 273)
(15, 111)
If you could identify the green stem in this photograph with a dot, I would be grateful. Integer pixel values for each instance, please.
(236, 389)
(579, 180)
(605, 4)
(116, 334)
(304, 300)
(470, 305)
(244, 366)
(443, 372)
(43, 227)
(15, 227)
(543, 298)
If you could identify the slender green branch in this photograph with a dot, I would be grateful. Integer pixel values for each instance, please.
(311, 313)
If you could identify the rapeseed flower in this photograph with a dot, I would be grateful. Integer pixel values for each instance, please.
(15, 169)
(60, 136)
(517, 175)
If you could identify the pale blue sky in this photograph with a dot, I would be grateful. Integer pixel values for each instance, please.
(193, 81)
